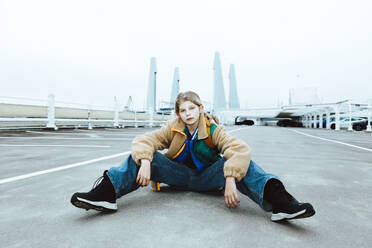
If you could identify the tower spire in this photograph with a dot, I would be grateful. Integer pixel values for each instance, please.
(219, 99)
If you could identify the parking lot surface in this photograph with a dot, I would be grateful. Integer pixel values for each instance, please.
(41, 169)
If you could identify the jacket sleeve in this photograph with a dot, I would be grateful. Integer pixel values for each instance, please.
(236, 152)
(144, 146)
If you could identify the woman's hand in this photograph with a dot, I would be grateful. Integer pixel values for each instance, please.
(231, 197)
(144, 173)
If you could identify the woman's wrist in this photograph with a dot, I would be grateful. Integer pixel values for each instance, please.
(145, 162)
(230, 179)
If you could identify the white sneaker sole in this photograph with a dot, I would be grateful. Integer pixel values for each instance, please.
(98, 205)
(282, 216)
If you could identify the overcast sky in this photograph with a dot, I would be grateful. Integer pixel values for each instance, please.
(90, 51)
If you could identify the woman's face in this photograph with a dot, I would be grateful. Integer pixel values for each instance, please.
(189, 112)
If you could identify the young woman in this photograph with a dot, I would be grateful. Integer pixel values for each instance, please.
(194, 161)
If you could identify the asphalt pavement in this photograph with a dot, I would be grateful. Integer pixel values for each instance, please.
(40, 170)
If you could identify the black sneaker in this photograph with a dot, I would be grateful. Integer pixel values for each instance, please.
(285, 206)
(101, 197)
(293, 210)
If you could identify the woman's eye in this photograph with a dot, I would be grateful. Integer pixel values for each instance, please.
(182, 110)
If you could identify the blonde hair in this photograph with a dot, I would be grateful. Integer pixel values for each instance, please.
(192, 97)
(187, 96)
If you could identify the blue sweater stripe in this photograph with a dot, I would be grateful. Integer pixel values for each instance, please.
(189, 148)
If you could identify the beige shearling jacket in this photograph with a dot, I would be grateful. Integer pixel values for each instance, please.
(171, 137)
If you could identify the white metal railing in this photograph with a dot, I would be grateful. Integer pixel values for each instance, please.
(20, 112)
(345, 109)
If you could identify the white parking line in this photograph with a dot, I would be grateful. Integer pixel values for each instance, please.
(85, 146)
(121, 134)
(84, 130)
(58, 133)
(12, 179)
(363, 142)
(57, 138)
(103, 131)
(109, 133)
(234, 130)
(134, 132)
(16, 178)
(334, 141)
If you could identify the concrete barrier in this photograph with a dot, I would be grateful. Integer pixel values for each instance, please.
(20, 115)
(18, 110)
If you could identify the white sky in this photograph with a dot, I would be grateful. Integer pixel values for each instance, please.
(90, 51)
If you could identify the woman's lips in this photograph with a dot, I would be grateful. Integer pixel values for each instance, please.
(189, 119)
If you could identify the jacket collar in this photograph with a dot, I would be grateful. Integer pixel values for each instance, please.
(202, 126)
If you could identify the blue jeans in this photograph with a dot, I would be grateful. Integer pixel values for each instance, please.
(166, 171)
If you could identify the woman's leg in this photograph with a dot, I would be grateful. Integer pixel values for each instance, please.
(285, 206)
(252, 185)
(123, 177)
(121, 180)
(263, 188)
(163, 170)
(212, 178)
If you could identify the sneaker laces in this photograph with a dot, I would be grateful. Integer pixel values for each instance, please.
(97, 182)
